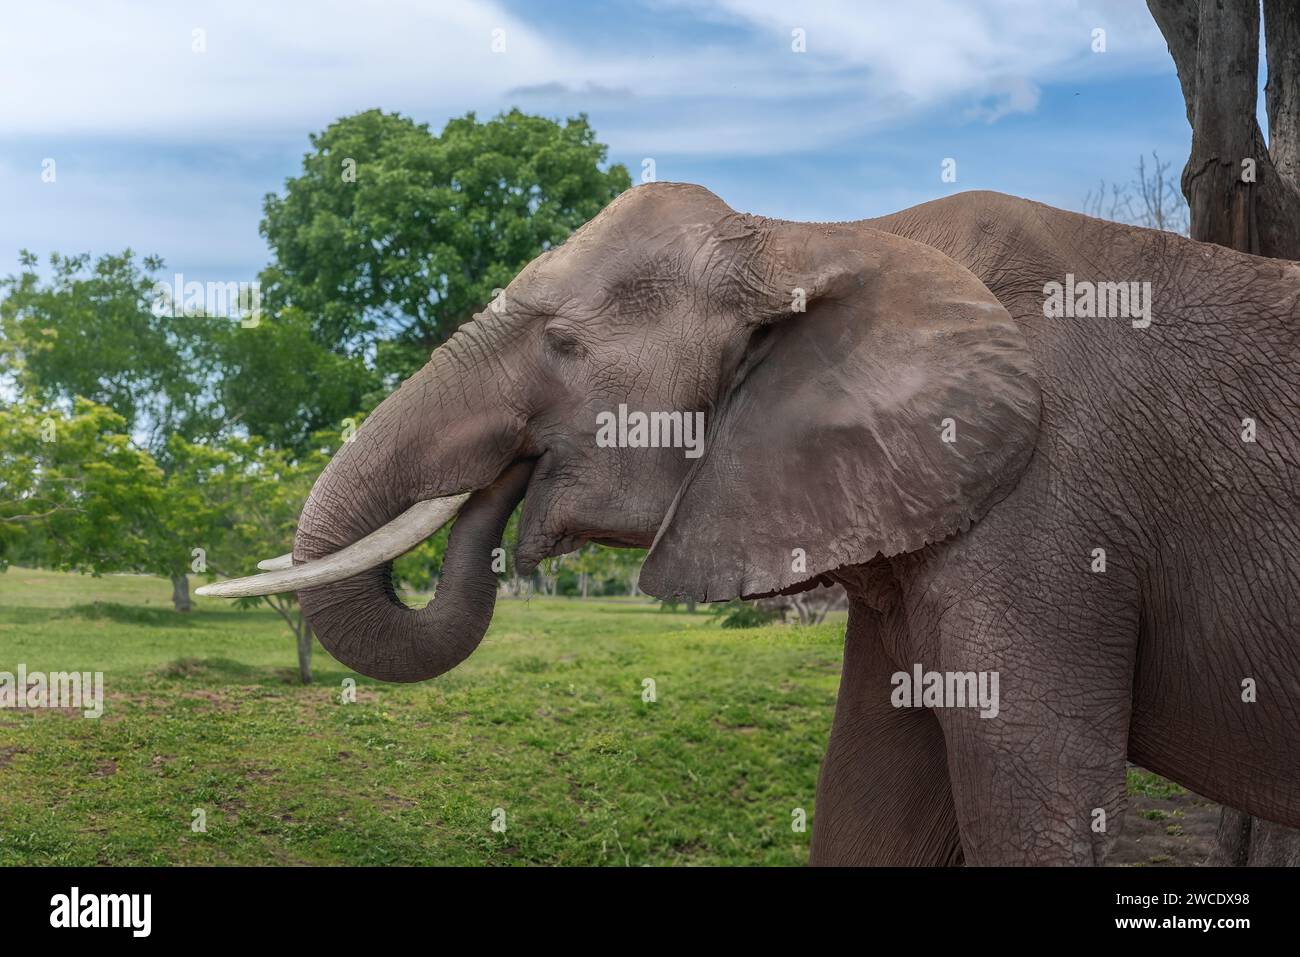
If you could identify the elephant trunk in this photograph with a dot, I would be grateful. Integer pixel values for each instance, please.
(363, 624)
(424, 442)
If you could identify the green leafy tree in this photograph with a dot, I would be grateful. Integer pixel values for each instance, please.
(203, 492)
(90, 330)
(273, 380)
(275, 484)
(183, 387)
(75, 493)
(393, 236)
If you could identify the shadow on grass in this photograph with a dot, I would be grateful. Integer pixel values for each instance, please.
(26, 614)
(145, 616)
(219, 669)
(126, 614)
(225, 671)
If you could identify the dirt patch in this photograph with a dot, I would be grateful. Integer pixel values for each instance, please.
(1174, 831)
(7, 755)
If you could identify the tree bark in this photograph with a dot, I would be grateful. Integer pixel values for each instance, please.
(1215, 48)
(181, 592)
(1282, 94)
(1247, 841)
(1219, 189)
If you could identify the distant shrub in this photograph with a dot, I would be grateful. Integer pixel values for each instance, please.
(744, 614)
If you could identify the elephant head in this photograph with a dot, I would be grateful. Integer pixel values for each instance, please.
(862, 394)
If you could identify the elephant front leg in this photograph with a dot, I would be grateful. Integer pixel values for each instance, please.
(1039, 777)
(883, 797)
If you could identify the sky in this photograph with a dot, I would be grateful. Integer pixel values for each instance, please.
(170, 150)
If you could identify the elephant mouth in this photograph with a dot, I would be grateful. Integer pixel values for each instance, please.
(560, 516)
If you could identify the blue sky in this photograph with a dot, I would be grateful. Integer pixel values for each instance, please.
(170, 151)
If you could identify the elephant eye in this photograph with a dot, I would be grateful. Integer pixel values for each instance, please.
(563, 344)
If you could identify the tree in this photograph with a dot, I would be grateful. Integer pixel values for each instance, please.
(75, 494)
(93, 331)
(203, 493)
(182, 384)
(1244, 193)
(274, 484)
(392, 236)
(90, 330)
(273, 380)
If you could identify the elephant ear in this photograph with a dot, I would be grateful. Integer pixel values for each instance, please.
(893, 411)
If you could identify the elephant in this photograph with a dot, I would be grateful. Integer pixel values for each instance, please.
(1032, 445)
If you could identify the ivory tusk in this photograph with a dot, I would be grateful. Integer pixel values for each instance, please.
(277, 563)
(383, 544)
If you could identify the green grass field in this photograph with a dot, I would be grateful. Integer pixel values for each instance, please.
(545, 721)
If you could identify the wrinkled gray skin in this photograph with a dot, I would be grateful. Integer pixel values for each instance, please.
(824, 434)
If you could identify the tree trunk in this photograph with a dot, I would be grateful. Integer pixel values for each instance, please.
(1282, 93)
(1215, 48)
(1218, 182)
(1250, 206)
(582, 578)
(181, 592)
(1247, 841)
(304, 649)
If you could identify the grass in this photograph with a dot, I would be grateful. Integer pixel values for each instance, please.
(545, 721)
(1152, 785)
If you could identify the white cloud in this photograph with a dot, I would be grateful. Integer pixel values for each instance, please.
(127, 68)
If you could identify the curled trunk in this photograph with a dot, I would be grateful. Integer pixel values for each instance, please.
(448, 429)
(363, 623)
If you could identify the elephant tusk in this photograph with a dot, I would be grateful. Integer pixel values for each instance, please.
(382, 545)
(278, 563)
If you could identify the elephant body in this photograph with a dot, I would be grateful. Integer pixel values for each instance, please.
(1139, 452)
(1100, 513)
